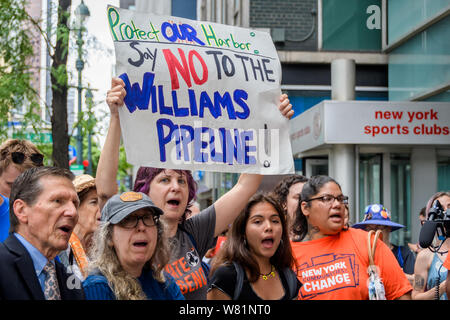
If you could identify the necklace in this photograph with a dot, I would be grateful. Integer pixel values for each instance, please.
(270, 274)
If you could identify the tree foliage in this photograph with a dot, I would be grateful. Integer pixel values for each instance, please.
(17, 95)
(20, 97)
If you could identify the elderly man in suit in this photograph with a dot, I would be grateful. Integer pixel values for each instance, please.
(43, 213)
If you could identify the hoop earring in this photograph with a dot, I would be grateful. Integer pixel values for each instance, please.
(245, 242)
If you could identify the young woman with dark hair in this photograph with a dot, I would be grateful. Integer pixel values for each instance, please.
(259, 246)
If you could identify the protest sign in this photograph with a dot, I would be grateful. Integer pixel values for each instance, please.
(200, 95)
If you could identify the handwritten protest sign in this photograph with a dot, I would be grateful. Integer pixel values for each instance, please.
(200, 95)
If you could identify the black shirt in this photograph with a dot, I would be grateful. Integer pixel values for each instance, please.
(405, 258)
(224, 279)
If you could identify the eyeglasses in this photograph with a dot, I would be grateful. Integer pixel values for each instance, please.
(132, 221)
(19, 158)
(329, 199)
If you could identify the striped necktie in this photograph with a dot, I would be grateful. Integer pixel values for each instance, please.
(51, 289)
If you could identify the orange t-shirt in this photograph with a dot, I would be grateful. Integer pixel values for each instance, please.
(335, 268)
(446, 263)
(212, 253)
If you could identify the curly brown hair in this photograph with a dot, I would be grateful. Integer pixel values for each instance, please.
(281, 190)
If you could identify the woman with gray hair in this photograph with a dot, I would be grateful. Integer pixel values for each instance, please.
(129, 253)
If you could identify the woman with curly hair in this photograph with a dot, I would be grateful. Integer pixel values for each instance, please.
(288, 193)
(129, 253)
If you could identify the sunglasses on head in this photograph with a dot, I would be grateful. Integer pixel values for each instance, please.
(19, 158)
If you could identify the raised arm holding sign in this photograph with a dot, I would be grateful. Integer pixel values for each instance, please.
(172, 188)
(202, 93)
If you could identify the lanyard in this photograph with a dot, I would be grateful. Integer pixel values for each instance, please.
(78, 252)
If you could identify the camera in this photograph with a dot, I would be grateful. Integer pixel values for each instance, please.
(438, 223)
(442, 218)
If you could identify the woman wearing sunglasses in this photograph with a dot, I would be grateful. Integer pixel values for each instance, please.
(16, 156)
(129, 253)
(333, 259)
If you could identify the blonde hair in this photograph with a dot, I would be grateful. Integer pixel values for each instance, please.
(103, 257)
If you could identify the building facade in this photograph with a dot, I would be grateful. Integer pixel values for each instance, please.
(413, 58)
(398, 51)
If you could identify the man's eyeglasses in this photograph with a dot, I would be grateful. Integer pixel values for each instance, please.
(131, 222)
(19, 158)
(329, 199)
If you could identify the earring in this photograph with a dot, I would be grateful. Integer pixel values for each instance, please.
(245, 242)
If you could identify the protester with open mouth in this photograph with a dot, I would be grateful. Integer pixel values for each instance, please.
(129, 253)
(172, 191)
(333, 259)
(258, 248)
(75, 257)
(43, 214)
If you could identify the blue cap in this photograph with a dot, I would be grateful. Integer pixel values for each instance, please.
(378, 215)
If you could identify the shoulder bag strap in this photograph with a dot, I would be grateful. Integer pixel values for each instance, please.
(291, 279)
(239, 280)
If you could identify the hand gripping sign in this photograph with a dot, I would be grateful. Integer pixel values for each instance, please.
(200, 95)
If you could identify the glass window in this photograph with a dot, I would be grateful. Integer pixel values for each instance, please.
(302, 100)
(184, 9)
(351, 25)
(421, 64)
(370, 181)
(316, 166)
(440, 97)
(298, 165)
(405, 15)
(226, 181)
(443, 173)
(401, 198)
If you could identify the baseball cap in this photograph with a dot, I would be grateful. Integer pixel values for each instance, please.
(378, 215)
(120, 206)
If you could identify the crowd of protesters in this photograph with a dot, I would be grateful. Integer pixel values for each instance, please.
(70, 238)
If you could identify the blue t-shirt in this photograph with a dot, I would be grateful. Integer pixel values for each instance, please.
(4, 219)
(96, 288)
